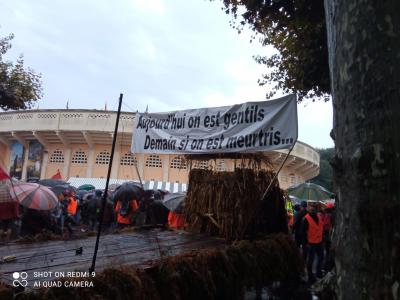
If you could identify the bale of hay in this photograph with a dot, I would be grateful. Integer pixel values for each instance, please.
(229, 204)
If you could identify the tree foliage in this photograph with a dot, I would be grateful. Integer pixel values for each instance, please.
(325, 176)
(20, 87)
(297, 29)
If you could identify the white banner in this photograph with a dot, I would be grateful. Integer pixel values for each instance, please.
(247, 127)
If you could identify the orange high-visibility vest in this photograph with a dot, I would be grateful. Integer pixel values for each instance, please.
(72, 206)
(127, 220)
(314, 232)
(176, 221)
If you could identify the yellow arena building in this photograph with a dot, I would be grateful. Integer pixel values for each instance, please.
(37, 143)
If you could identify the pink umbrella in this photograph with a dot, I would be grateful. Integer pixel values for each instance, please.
(34, 196)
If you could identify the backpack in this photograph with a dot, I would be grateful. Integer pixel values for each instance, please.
(124, 208)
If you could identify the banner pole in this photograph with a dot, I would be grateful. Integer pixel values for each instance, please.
(104, 200)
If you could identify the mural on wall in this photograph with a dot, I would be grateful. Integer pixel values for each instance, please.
(16, 159)
(34, 164)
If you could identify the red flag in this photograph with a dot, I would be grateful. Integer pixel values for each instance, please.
(3, 174)
(57, 175)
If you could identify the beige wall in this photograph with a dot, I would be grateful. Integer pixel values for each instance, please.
(178, 169)
(52, 167)
(152, 169)
(78, 169)
(100, 170)
(127, 169)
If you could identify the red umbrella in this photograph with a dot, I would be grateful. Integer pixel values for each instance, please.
(3, 174)
(8, 206)
(34, 196)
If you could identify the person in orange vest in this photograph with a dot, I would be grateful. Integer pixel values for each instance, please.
(327, 221)
(176, 221)
(125, 212)
(72, 205)
(313, 231)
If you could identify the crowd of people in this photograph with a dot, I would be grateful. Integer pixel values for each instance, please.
(311, 225)
(80, 212)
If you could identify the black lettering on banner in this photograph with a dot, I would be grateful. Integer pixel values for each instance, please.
(194, 122)
(159, 144)
(249, 115)
(196, 144)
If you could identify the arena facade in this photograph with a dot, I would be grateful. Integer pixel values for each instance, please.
(37, 143)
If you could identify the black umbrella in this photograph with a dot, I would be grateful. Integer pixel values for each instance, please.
(128, 191)
(174, 201)
(81, 193)
(59, 189)
(51, 182)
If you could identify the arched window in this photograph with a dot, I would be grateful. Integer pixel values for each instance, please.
(178, 162)
(57, 157)
(221, 166)
(202, 164)
(128, 160)
(103, 158)
(79, 157)
(154, 161)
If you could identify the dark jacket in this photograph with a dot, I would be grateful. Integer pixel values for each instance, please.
(298, 231)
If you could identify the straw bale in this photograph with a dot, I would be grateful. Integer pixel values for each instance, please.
(229, 204)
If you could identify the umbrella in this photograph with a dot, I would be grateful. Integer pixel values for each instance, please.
(51, 182)
(34, 196)
(128, 191)
(310, 191)
(81, 193)
(8, 206)
(86, 187)
(294, 199)
(113, 186)
(59, 189)
(3, 174)
(174, 201)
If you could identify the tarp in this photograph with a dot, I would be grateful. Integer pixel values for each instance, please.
(247, 127)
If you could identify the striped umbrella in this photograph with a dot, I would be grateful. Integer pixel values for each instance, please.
(310, 191)
(8, 206)
(34, 196)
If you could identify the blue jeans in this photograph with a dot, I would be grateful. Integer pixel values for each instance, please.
(318, 250)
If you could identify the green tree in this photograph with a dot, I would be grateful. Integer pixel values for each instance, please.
(296, 28)
(325, 176)
(20, 87)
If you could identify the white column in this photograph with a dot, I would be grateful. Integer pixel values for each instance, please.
(67, 163)
(44, 164)
(165, 167)
(25, 164)
(115, 163)
(90, 163)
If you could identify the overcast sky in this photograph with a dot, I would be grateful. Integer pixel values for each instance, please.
(169, 55)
